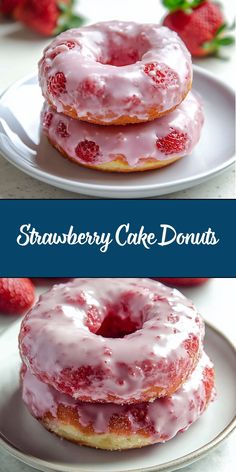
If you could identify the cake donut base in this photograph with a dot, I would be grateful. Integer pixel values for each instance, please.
(133, 148)
(119, 164)
(153, 114)
(118, 427)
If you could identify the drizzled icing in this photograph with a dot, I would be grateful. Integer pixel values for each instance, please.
(163, 418)
(115, 90)
(58, 346)
(133, 142)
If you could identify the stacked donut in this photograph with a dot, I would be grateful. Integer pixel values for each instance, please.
(118, 96)
(115, 363)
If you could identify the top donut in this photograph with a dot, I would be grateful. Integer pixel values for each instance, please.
(116, 72)
(112, 340)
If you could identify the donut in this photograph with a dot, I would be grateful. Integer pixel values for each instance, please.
(128, 148)
(111, 426)
(182, 282)
(116, 72)
(112, 340)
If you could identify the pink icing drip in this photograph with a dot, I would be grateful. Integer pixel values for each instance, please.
(132, 141)
(97, 48)
(54, 336)
(164, 417)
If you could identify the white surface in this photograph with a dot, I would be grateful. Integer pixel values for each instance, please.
(20, 51)
(24, 146)
(216, 302)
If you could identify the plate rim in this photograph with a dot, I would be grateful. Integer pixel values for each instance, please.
(166, 467)
(93, 188)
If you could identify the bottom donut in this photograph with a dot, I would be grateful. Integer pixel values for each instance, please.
(119, 427)
(130, 148)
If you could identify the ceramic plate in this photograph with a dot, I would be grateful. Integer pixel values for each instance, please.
(23, 437)
(22, 145)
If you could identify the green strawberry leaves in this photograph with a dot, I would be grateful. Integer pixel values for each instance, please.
(174, 5)
(68, 19)
(221, 38)
(63, 7)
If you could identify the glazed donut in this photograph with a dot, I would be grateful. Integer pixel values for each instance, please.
(116, 72)
(110, 426)
(182, 282)
(130, 148)
(112, 340)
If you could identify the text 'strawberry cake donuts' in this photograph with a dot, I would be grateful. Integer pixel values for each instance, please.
(110, 426)
(112, 340)
(127, 148)
(116, 72)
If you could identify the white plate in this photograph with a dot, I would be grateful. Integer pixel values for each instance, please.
(21, 144)
(26, 439)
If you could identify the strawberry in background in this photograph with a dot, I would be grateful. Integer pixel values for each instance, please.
(182, 282)
(48, 17)
(200, 24)
(7, 7)
(17, 295)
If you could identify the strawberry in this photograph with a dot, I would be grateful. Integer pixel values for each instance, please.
(87, 151)
(57, 84)
(200, 24)
(16, 295)
(161, 75)
(7, 7)
(47, 119)
(174, 142)
(68, 44)
(93, 319)
(90, 87)
(62, 130)
(182, 282)
(209, 381)
(191, 345)
(48, 17)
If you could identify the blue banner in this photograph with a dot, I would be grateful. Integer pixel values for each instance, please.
(118, 238)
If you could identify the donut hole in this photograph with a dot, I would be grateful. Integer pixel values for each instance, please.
(124, 57)
(124, 51)
(121, 318)
(115, 326)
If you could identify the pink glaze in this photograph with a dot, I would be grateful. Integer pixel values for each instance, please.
(134, 142)
(155, 338)
(103, 67)
(163, 418)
